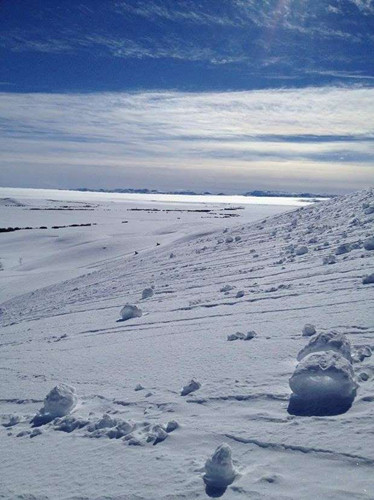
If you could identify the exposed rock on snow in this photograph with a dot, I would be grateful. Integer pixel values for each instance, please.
(239, 294)
(128, 311)
(226, 288)
(147, 292)
(192, 386)
(309, 330)
(368, 279)
(60, 401)
(323, 384)
(327, 341)
(139, 387)
(219, 469)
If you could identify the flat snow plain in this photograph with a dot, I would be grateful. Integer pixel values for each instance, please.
(229, 268)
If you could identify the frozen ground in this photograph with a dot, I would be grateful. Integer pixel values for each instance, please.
(130, 433)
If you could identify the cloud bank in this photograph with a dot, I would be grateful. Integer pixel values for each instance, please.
(308, 139)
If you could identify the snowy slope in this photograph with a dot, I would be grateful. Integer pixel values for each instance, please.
(62, 234)
(69, 333)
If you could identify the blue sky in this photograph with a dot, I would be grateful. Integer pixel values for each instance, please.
(220, 95)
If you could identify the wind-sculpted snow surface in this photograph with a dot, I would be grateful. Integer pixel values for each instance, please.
(132, 434)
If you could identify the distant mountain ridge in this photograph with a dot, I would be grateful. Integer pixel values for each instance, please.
(257, 193)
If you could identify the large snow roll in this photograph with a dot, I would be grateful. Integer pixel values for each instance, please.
(60, 401)
(324, 375)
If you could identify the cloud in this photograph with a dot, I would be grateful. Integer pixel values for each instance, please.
(285, 34)
(183, 11)
(366, 6)
(312, 136)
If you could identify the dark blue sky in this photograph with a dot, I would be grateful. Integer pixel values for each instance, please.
(155, 67)
(73, 45)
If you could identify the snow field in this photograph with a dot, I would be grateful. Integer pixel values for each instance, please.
(69, 333)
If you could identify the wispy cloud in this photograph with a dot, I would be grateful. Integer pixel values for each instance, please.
(120, 47)
(281, 138)
(183, 11)
(366, 6)
(257, 35)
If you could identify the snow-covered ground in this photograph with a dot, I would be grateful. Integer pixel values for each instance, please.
(157, 394)
(119, 225)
